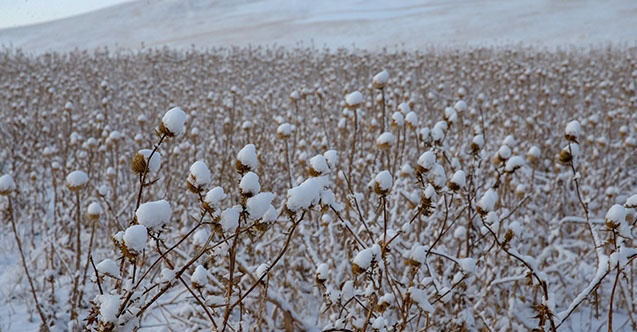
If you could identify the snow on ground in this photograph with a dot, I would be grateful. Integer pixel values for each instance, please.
(334, 23)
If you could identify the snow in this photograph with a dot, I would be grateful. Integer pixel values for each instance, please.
(631, 202)
(199, 278)
(573, 131)
(460, 106)
(459, 178)
(248, 157)
(363, 260)
(155, 161)
(199, 176)
(6, 184)
(468, 265)
(135, 238)
(354, 99)
(76, 180)
(412, 119)
(488, 201)
(200, 237)
(398, 119)
(373, 24)
(249, 184)
(383, 182)
(261, 270)
(513, 164)
(108, 267)
(427, 160)
(418, 254)
(385, 139)
(174, 121)
(109, 308)
(318, 164)
(616, 214)
(420, 297)
(437, 176)
(154, 215)
(214, 197)
(304, 196)
(504, 153)
(284, 130)
(230, 219)
(259, 204)
(322, 271)
(380, 79)
(331, 156)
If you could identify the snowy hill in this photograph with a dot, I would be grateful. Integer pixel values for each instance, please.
(334, 23)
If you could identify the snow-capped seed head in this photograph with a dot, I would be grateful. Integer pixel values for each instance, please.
(460, 106)
(153, 215)
(135, 240)
(383, 183)
(199, 177)
(468, 265)
(487, 202)
(213, 199)
(363, 261)
(514, 163)
(615, 216)
(354, 100)
(380, 80)
(331, 156)
(321, 273)
(457, 181)
(533, 155)
(568, 154)
(76, 180)
(109, 268)
(94, 210)
(109, 309)
(249, 185)
(199, 278)
(412, 120)
(437, 177)
(477, 143)
(172, 124)
(503, 154)
(426, 162)
(294, 96)
(284, 131)
(573, 131)
(450, 115)
(397, 120)
(416, 256)
(6, 185)
(318, 166)
(385, 141)
(306, 195)
(247, 159)
(258, 205)
(141, 163)
(230, 219)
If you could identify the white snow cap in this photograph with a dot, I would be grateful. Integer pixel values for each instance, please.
(248, 157)
(199, 176)
(154, 215)
(76, 180)
(249, 184)
(363, 260)
(108, 267)
(488, 201)
(412, 119)
(380, 79)
(383, 182)
(468, 265)
(385, 138)
(319, 164)
(427, 160)
(109, 307)
(437, 176)
(616, 214)
(199, 278)
(420, 297)
(305, 195)
(322, 272)
(230, 219)
(631, 202)
(285, 130)
(155, 161)
(573, 131)
(94, 209)
(459, 178)
(354, 99)
(135, 238)
(460, 106)
(397, 119)
(6, 184)
(174, 121)
(513, 164)
(214, 197)
(259, 204)
(331, 156)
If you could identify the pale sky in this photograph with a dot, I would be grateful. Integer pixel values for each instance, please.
(15, 13)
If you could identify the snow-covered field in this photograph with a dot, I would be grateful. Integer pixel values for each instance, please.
(455, 180)
(369, 24)
(279, 189)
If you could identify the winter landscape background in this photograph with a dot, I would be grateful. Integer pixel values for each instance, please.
(321, 166)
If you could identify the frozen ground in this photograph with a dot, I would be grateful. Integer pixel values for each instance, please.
(335, 23)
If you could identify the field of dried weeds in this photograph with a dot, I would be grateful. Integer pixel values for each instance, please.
(260, 189)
